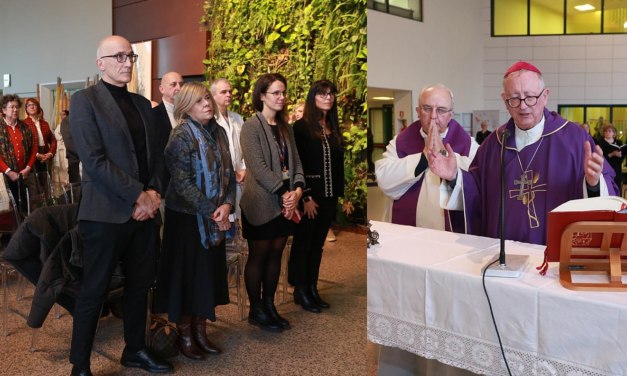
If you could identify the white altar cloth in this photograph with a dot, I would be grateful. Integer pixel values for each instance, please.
(425, 296)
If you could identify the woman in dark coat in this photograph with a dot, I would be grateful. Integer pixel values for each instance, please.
(192, 277)
(611, 151)
(321, 147)
(272, 190)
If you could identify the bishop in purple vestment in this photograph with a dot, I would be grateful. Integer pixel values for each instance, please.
(548, 161)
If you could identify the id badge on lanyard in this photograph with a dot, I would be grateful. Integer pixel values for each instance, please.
(285, 173)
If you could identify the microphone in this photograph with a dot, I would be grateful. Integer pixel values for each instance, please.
(510, 266)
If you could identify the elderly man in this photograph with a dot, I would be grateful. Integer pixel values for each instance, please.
(548, 161)
(483, 133)
(164, 114)
(404, 175)
(232, 124)
(118, 221)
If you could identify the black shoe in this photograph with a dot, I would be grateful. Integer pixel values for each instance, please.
(76, 372)
(301, 296)
(147, 360)
(268, 304)
(258, 316)
(313, 291)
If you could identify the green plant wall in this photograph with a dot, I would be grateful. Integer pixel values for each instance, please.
(304, 41)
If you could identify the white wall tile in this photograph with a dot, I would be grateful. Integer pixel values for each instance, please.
(619, 79)
(487, 3)
(487, 27)
(545, 53)
(489, 41)
(577, 93)
(599, 79)
(620, 40)
(572, 79)
(572, 40)
(618, 101)
(486, 13)
(619, 52)
(599, 40)
(546, 41)
(619, 92)
(571, 101)
(572, 66)
(572, 52)
(493, 80)
(495, 66)
(551, 79)
(551, 105)
(598, 66)
(547, 66)
(492, 93)
(554, 93)
(598, 101)
(519, 42)
(599, 92)
(520, 53)
(619, 65)
(492, 104)
(598, 52)
(498, 53)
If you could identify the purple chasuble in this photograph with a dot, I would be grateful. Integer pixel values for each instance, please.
(411, 142)
(554, 176)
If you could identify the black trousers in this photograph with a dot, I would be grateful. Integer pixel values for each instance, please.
(309, 238)
(73, 170)
(105, 245)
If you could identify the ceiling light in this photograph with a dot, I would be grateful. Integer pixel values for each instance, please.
(584, 7)
(383, 98)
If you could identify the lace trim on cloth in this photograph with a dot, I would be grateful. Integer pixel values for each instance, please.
(472, 354)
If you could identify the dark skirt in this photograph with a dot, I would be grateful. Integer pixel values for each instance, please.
(279, 227)
(191, 280)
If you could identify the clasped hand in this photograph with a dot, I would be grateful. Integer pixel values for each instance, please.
(221, 217)
(146, 205)
(444, 166)
(290, 201)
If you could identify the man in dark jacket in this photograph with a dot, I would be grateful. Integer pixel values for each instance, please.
(70, 149)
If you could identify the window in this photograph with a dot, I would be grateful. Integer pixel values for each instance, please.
(596, 116)
(411, 9)
(558, 17)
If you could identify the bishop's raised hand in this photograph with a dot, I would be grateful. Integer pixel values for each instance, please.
(593, 164)
(444, 166)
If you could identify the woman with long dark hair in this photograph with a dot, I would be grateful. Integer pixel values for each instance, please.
(271, 194)
(320, 143)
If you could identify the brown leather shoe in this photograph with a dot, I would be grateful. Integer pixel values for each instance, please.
(185, 342)
(199, 333)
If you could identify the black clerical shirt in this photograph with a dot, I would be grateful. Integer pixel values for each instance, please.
(135, 126)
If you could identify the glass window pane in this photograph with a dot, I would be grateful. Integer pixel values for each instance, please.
(619, 120)
(547, 17)
(583, 21)
(376, 125)
(510, 17)
(615, 16)
(596, 118)
(572, 113)
(376, 5)
(406, 8)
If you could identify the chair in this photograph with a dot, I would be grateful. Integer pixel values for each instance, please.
(234, 272)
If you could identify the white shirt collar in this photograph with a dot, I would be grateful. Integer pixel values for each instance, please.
(424, 135)
(530, 136)
(168, 106)
(11, 125)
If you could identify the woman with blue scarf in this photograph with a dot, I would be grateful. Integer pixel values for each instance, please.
(192, 277)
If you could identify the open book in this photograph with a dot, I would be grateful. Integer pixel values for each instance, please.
(609, 208)
(618, 147)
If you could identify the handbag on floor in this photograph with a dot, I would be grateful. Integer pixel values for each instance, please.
(163, 337)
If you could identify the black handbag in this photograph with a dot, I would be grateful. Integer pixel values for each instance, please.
(163, 337)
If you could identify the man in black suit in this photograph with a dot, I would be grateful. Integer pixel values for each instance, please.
(171, 83)
(70, 149)
(122, 167)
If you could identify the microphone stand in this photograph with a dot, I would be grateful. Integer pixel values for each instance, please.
(509, 266)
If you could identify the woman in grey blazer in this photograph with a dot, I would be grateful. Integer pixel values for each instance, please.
(272, 190)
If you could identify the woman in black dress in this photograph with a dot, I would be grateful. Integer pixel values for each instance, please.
(192, 277)
(611, 151)
(270, 197)
(321, 147)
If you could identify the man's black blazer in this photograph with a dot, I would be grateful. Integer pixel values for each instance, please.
(110, 184)
(164, 128)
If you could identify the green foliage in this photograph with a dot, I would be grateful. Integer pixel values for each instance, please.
(304, 41)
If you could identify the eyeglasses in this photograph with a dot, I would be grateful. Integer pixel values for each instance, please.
(530, 100)
(326, 95)
(440, 110)
(122, 58)
(278, 94)
(12, 108)
(31, 105)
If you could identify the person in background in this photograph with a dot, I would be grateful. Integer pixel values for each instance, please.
(46, 142)
(192, 277)
(272, 190)
(320, 143)
(73, 161)
(297, 112)
(612, 152)
(60, 161)
(483, 133)
(585, 127)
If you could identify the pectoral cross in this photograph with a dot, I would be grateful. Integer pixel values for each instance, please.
(522, 182)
